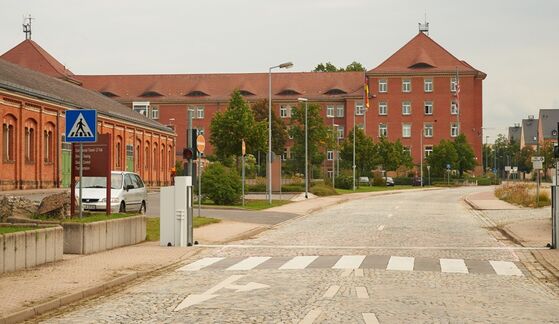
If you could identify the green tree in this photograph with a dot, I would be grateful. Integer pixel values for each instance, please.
(524, 159)
(279, 129)
(364, 153)
(392, 155)
(325, 67)
(228, 128)
(222, 185)
(466, 158)
(319, 137)
(444, 153)
(355, 67)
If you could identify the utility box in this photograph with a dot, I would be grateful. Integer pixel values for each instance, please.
(176, 213)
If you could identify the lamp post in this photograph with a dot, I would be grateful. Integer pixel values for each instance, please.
(486, 154)
(334, 154)
(305, 100)
(422, 152)
(286, 65)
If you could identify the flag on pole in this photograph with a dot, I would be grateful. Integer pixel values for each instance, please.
(366, 88)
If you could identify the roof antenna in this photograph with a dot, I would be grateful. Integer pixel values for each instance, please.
(424, 28)
(27, 26)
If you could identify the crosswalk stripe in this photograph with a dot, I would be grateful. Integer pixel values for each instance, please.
(248, 263)
(311, 316)
(331, 292)
(298, 262)
(505, 268)
(370, 318)
(400, 263)
(453, 265)
(362, 292)
(349, 262)
(200, 264)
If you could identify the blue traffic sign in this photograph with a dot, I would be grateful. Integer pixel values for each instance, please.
(448, 166)
(81, 126)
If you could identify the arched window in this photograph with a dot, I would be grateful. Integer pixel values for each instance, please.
(9, 138)
(163, 164)
(118, 151)
(30, 140)
(146, 157)
(48, 143)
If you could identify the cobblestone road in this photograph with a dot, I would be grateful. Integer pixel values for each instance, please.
(382, 259)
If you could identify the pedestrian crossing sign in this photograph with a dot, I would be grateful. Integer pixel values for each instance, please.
(81, 126)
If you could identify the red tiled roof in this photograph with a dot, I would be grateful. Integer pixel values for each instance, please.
(30, 55)
(422, 54)
(218, 87)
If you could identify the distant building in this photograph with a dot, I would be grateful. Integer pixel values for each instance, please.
(529, 133)
(547, 126)
(514, 133)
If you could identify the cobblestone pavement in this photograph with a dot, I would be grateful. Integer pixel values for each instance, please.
(425, 226)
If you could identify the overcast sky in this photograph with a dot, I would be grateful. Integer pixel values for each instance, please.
(515, 42)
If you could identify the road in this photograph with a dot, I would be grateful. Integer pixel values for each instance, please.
(404, 258)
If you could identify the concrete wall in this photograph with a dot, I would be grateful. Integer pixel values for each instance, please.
(22, 250)
(87, 238)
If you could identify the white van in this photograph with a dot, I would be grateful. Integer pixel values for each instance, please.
(128, 192)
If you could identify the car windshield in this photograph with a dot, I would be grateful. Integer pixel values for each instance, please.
(101, 182)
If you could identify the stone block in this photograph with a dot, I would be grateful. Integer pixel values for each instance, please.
(110, 230)
(9, 252)
(121, 234)
(59, 245)
(49, 246)
(20, 250)
(103, 236)
(73, 238)
(30, 249)
(40, 254)
(91, 237)
(131, 223)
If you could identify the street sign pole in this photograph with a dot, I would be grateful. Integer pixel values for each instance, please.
(81, 178)
(243, 153)
(199, 183)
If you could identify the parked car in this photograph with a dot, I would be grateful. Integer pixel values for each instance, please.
(389, 181)
(416, 181)
(364, 180)
(128, 192)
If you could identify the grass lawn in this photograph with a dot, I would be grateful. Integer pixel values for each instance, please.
(152, 230)
(374, 188)
(251, 204)
(13, 229)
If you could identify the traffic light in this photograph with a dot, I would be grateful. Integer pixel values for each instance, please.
(193, 135)
(187, 153)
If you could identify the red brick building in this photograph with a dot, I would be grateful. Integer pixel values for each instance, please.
(33, 105)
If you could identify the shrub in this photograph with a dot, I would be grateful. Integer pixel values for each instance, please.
(221, 185)
(259, 187)
(323, 190)
(344, 182)
(403, 181)
(293, 188)
(523, 194)
(378, 181)
(484, 181)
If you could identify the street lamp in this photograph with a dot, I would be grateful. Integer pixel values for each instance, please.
(286, 65)
(334, 154)
(486, 154)
(305, 100)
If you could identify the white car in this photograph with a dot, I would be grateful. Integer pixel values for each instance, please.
(128, 192)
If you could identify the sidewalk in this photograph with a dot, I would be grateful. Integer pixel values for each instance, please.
(528, 233)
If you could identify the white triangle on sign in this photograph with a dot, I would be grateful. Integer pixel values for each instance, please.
(80, 128)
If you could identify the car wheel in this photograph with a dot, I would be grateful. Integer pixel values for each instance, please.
(122, 208)
(143, 208)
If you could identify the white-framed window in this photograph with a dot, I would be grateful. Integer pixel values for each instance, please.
(359, 108)
(330, 155)
(340, 111)
(154, 112)
(407, 150)
(428, 107)
(200, 112)
(360, 126)
(428, 85)
(285, 154)
(330, 111)
(454, 129)
(382, 108)
(285, 111)
(454, 108)
(453, 84)
(428, 130)
(406, 85)
(428, 150)
(406, 107)
(141, 107)
(406, 130)
(340, 132)
(382, 130)
(383, 85)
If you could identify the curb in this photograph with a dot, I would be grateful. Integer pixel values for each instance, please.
(70, 298)
(548, 266)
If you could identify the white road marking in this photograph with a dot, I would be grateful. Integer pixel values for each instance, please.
(381, 227)
(331, 292)
(298, 262)
(453, 265)
(370, 318)
(359, 272)
(248, 263)
(400, 263)
(346, 273)
(365, 247)
(202, 263)
(390, 215)
(505, 268)
(311, 316)
(349, 262)
(361, 292)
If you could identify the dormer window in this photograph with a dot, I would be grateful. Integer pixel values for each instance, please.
(288, 92)
(246, 93)
(196, 93)
(335, 91)
(421, 65)
(151, 94)
(108, 94)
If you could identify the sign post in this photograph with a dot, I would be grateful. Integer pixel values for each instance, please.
(81, 127)
(537, 163)
(243, 153)
(200, 146)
